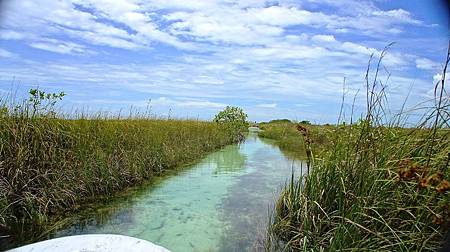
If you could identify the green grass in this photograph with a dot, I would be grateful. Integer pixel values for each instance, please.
(291, 142)
(377, 186)
(51, 165)
(366, 194)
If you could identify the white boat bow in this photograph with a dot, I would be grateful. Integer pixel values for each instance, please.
(92, 243)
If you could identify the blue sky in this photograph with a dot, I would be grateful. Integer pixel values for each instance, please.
(276, 59)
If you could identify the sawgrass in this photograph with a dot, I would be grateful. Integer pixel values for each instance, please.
(53, 164)
(378, 186)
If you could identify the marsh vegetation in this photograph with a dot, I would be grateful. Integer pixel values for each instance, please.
(377, 185)
(51, 164)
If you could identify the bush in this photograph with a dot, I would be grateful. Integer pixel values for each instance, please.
(280, 121)
(234, 119)
(305, 122)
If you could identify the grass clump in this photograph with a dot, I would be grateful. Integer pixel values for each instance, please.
(377, 187)
(51, 164)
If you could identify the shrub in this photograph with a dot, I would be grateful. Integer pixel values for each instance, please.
(280, 121)
(234, 119)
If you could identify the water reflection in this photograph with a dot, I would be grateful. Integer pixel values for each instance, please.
(228, 160)
(249, 200)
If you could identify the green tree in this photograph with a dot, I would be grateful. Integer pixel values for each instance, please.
(234, 119)
(280, 121)
(305, 122)
(231, 115)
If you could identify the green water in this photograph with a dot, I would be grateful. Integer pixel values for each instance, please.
(219, 204)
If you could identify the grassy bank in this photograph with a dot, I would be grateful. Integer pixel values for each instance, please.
(50, 165)
(377, 187)
(292, 143)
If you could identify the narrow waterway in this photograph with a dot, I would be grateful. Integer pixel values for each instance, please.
(219, 204)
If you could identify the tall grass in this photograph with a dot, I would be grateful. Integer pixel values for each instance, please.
(50, 165)
(378, 187)
(291, 142)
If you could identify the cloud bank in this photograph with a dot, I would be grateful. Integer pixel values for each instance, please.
(195, 57)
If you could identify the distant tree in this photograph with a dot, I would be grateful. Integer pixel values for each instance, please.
(280, 121)
(305, 122)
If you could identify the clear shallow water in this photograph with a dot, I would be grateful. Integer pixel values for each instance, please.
(219, 204)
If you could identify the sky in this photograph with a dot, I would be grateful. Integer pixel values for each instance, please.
(191, 58)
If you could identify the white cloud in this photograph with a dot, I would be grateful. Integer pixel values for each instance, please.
(212, 52)
(430, 92)
(284, 16)
(134, 17)
(265, 25)
(52, 18)
(195, 103)
(399, 15)
(7, 54)
(438, 77)
(357, 48)
(426, 64)
(56, 46)
(135, 25)
(323, 38)
(11, 35)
